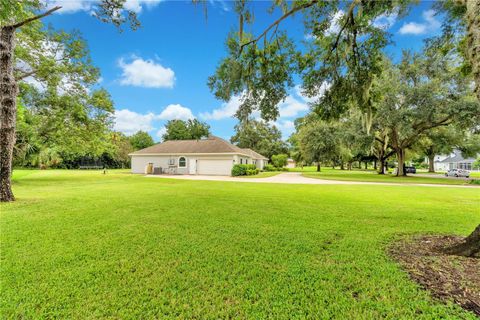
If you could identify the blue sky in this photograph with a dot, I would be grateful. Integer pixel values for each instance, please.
(160, 71)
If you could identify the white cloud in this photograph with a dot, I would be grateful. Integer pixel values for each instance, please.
(129, 122)
(334, 27)
(226, 110)
(291, 107)
(430, 24)
(161, 132)
(146, 73)
(323, 88)
(72, 6)
(138, 5)
(176, 111)
(385, 21)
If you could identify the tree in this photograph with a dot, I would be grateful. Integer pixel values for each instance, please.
(441, 140)
(344, 54)
(186, 130)
(260, 137)
(423, 93)
(22, 15)
(279, 160)
(141, 140)
(319, 141)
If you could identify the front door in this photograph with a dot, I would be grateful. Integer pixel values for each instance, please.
(193, 166)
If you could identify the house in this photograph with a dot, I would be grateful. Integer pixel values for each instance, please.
(290, 163)
(455, 160)
(209, 156)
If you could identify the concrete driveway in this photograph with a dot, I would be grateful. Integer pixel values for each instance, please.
(293, 178)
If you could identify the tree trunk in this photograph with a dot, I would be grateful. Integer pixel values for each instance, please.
(470, 247)
(401, 162)
(8, 111)
(375, 165)
(431, 160)
(366, 165)
(342, 166)
(318, 166)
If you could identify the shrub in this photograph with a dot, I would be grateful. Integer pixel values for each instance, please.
(269, 167)
(279, 160)
(244, 169)
(239, 170)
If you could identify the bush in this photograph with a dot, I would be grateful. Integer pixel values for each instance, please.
(244, 169)
(279, 160)
(269, 167)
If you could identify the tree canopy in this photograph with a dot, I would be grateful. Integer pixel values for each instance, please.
(186, 130)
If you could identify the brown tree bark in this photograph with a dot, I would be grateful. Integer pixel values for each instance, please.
(431, 160)
(8, 111)
(400, 162)
(8, 102)
(318, 166)
(470, 247)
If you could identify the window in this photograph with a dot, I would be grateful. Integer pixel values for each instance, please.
(241, 161)
(182, 162)
(171, 162)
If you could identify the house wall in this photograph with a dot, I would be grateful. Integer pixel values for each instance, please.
(140, 162)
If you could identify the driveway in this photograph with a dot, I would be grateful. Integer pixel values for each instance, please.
(294, 178)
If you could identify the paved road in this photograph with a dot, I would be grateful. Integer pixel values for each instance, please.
(294, 178)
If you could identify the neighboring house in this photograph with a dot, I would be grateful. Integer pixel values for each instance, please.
(290, 163)
(209, 156)
(453, 161)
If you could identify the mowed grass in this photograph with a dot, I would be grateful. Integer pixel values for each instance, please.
(373, 176)
(82, 245)
(263, 174)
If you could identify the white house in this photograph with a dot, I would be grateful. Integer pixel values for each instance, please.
(455, 160)
(209, 156)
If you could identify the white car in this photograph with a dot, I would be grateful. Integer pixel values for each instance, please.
(457, 173)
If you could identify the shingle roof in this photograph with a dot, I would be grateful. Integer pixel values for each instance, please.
(457, 158)
(253, 154)
(211, 144)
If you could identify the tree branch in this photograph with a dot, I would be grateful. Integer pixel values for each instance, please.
(25, 75)
(277, 22)
(40, 16)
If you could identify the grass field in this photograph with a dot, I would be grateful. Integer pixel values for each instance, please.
(263, 174)
(82, 245)
(372, 176)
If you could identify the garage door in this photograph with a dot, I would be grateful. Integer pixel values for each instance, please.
(215, 167)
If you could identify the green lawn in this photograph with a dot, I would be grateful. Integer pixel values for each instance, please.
(372, 176)
(82, 245)
(263, 174)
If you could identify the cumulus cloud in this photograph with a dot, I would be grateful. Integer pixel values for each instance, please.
(334, 27)
(226, 110)
(323, 88)
(429, 25)
(137, 5)
(129, 122)
(146, 73)
(177, 112)
(385, 21)
(73, 6)
(291, 107)
(161, 132)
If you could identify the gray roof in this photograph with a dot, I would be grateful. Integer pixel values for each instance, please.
(211, 144)
(457, 157)
(253, 154)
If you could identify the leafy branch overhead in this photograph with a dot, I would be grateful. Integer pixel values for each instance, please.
(344, 52)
